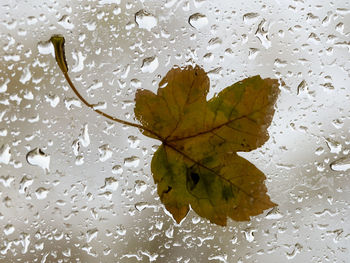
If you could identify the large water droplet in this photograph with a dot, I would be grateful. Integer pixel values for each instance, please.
(341, 165)
(149, 64)
(37, 157)
(198, 20)
(145, 20)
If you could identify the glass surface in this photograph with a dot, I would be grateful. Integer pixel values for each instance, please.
(75, 187)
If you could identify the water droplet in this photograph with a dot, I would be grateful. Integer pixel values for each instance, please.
(319, 151)
(91, 234)
(7, 180)
(334, 146)
(149, 64)
(249, 234)
(9, 229)
(262, 34)
(117, 169)
(111, 184)
(132, 161)
(24, 184)
(214, 43)
(140, 186)
(341, 165)
(145, 20)
(26, 76)
(37, 157)
(79, 61)
(5, 154)
(45, 48)
(66, 23)
(198, 20)
(302, 87)
(133, 141)
(274, 213)
(84, 137)
(105, 152)
(3, 87)
(250, 18)
(41, 193)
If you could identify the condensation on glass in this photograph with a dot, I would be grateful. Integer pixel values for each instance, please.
(75, 187)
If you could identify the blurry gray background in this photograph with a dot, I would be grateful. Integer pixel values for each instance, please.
(90, 195)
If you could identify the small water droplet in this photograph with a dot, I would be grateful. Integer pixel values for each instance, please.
(250, 18)
(111, 184)
(65, 22)
(41, 193)
(105, 152)
(37, 157)
(117, 169)
(334, 146)
(133, 141)
(149, 64)
(91, 234)
(274, 213)
(5, 154)
(132, 161)
(9, 229)
(198, 20)
(214, 43)
(140, 186)
(262, 34)
(145, 20)
(45, 48)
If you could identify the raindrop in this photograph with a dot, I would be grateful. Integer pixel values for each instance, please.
(46, 48)
(341, 165)
(66, 23)
(334, 146)
(198, 20)
(140, 186)
(41, 193)
(133, 141)
(5, 154)
(24, 184)
(37, 157)
(250, 18)
(26, 76)
(145, 20)
(105, 152)
(111, 184)
(262, 34)
(149, 64)
(84, 137)
(132, 161)
(91, 234)
(9, 229)
(117, 169)
(274, 213)
(214, 43)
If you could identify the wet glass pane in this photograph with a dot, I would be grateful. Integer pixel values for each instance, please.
(77, 187)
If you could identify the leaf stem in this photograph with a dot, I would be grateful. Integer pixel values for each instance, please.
(58, 43)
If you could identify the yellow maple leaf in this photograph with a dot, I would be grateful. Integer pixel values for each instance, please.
(197, 163)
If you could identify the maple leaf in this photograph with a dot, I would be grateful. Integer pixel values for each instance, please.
(197, 163)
